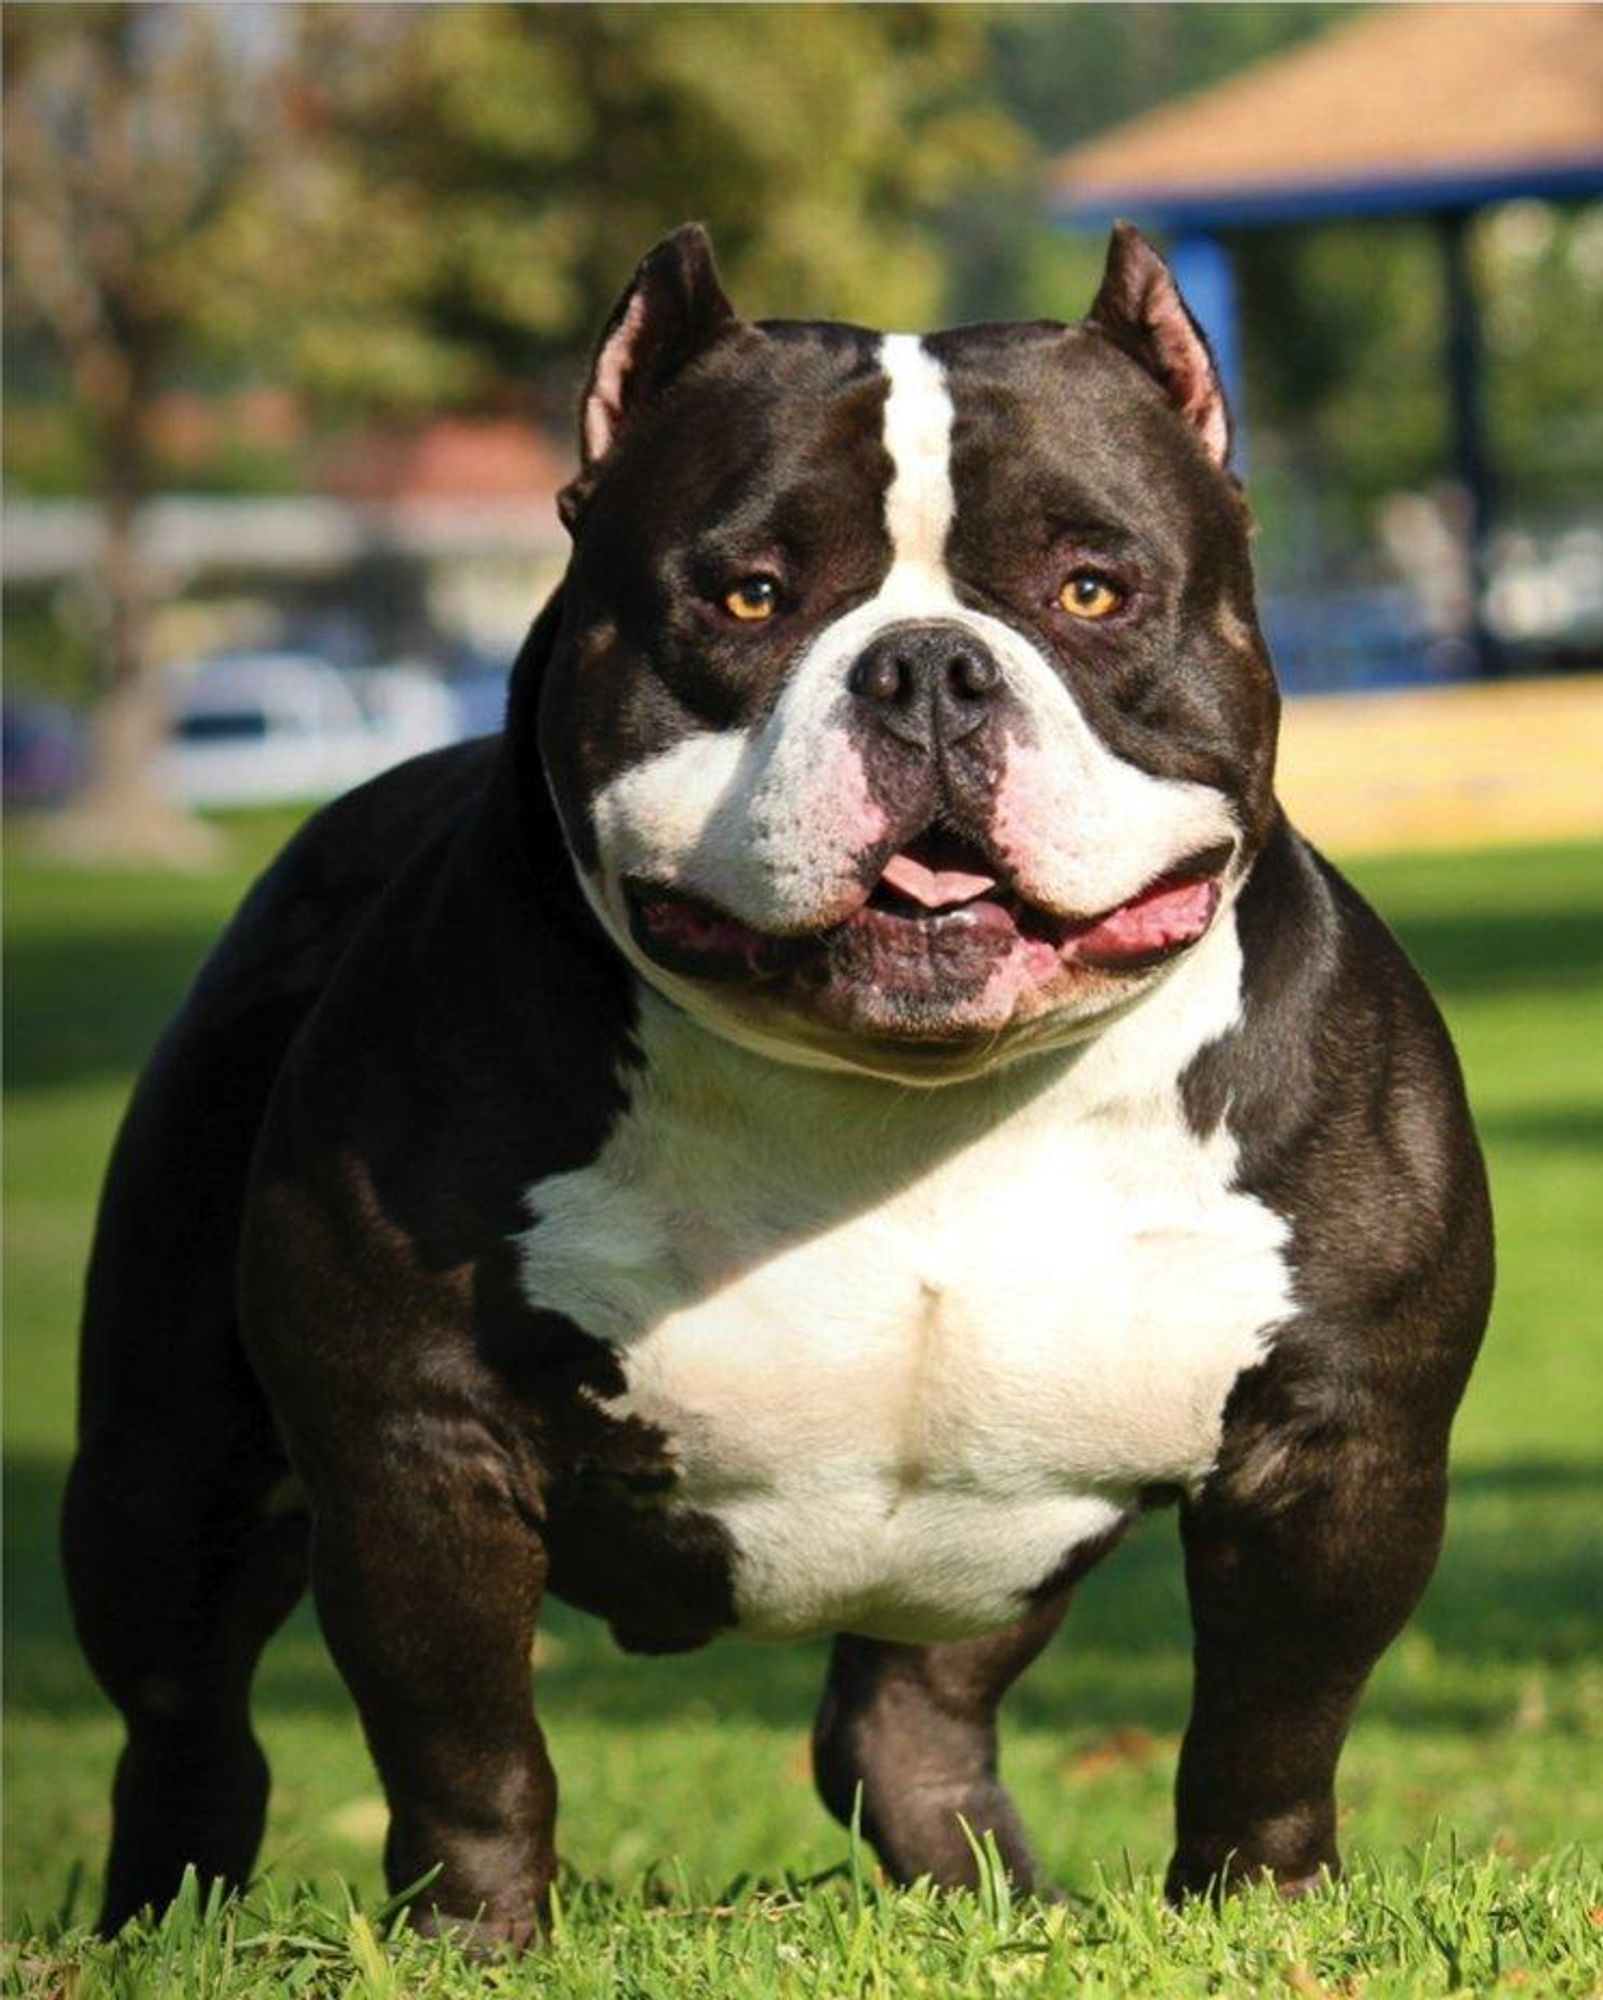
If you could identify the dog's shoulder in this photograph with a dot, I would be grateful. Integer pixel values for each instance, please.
(203, 1092)
(473, 1021)
(1347, 1104)
(295, 923)
(1340, 1080)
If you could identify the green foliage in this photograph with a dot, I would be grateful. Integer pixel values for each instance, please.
(417, 207)
(1071, 72)
(1345, 340)
(1485, 1719)
(130, 135)
(48, 645)
(1541, 270)
(1311, 303)
(421, 206)
(481, 177)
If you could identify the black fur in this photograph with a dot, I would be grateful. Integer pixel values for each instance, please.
(305, 1348)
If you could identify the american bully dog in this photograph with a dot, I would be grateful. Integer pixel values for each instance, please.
(854, 1096)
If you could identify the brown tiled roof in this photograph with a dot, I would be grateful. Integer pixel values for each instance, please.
(1402, 90)
(452, 458)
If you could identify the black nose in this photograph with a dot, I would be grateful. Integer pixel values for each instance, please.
(927, 684)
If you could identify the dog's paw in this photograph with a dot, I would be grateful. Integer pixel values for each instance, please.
(481, 1937)
(1191, 1878)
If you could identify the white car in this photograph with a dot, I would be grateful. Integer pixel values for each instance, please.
(280, 728)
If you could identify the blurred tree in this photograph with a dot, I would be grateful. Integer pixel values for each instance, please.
(1070, 72)
(1542, 274)
(129, 132)
(1342, 324)
(419, 206)
(474, 181)
(1066, 73)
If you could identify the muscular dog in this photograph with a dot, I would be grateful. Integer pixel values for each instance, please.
(856, 1094)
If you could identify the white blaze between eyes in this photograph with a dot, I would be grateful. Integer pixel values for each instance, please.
(919, 504)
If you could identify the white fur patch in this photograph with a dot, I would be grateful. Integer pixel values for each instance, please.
(913, 1348)
(918, 435)
(768, 823)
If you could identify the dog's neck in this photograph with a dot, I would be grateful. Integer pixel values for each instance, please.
(707, 1081)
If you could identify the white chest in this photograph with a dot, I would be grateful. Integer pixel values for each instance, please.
(910, 1348)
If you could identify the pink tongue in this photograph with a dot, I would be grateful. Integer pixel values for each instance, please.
(936, 889)
(1166, 914)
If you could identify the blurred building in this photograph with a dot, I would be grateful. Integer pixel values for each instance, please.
(428, 541)
(1434, 111)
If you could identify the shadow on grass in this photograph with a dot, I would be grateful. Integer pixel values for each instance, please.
(1519, 1586)
(1565, 1128)
(88, 1007)
(1479, 952)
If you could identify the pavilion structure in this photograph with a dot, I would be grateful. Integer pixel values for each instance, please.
(1433, 110)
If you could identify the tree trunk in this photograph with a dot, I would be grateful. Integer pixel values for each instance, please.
(123, 816)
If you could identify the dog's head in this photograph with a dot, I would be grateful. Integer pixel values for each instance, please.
(908, 708)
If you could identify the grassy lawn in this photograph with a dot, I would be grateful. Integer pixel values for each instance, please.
(700, 1861)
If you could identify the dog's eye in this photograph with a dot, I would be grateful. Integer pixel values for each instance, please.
(753, 598)
(1090, 594)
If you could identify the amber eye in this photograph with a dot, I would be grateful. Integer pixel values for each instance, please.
(1089, 594)
(753, 598)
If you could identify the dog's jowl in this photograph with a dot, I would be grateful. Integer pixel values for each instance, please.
(855, 1096)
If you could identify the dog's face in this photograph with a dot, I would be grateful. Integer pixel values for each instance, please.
(908, 709)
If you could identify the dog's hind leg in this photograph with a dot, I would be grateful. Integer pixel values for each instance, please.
(915, 1727)
(181, 1556)
(185, 1550)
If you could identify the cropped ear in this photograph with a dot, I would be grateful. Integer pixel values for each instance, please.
(1140, 309)
(673, 308)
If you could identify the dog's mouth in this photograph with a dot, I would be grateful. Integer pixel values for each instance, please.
(940, 909)
(941, 879)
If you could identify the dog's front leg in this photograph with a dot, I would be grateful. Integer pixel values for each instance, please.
(428, 1576)
(1297, 1584)
(915, 1728)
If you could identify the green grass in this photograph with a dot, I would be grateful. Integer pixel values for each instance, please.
(698, 1860)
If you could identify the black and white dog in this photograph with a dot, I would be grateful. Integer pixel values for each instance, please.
(854, 1096)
